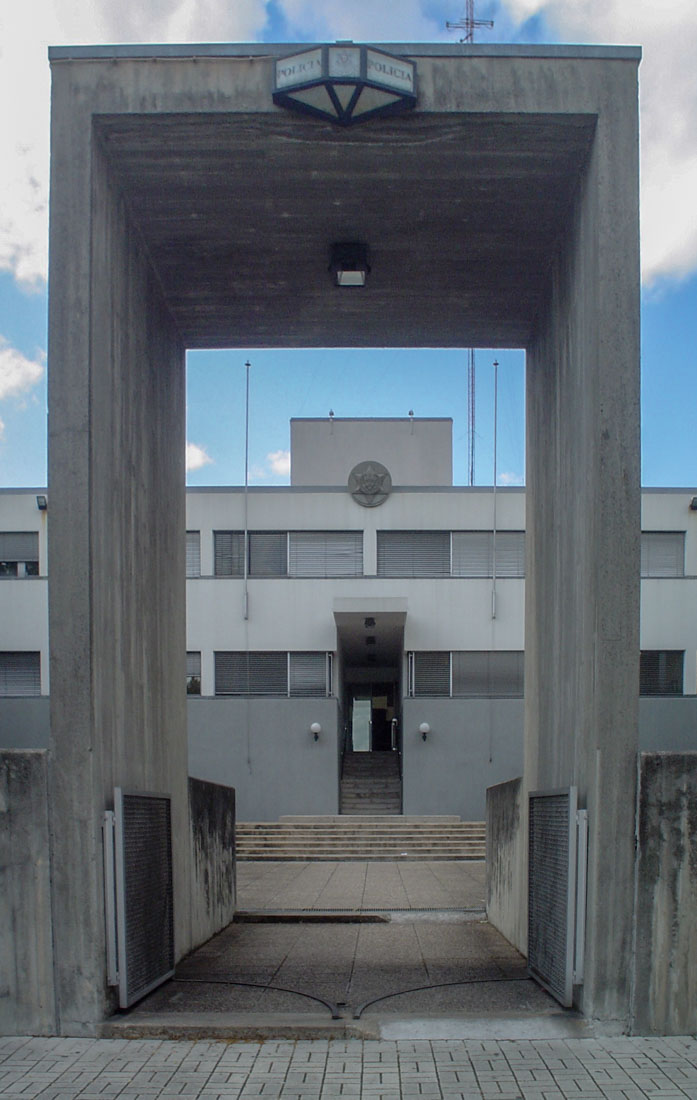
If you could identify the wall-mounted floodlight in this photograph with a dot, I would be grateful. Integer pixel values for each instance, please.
(315, 730)
(424, 730)
(42, 502)
(349, 263)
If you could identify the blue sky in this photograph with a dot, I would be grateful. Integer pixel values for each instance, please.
(351, 382)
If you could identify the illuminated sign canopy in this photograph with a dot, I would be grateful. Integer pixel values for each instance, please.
(345, 83)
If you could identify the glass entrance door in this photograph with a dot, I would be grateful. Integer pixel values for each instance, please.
(373, 718)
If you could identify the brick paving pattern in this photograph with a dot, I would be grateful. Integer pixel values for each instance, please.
(466, 1069)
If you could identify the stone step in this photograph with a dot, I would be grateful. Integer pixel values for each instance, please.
(373, 837)
(345, 819)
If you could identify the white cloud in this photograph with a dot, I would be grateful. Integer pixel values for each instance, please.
(510, 479)
(2, 428)
(17, 373)
(26, 31)
(197, 457)
(279, 462)
(276, 465)
(667, 33)
(362, 20)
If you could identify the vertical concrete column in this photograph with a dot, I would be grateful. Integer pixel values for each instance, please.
(117, 521)
(583, 524)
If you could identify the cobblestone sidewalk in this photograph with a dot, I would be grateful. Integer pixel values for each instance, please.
(572, 1069)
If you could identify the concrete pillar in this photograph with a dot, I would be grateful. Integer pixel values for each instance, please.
(117, 601)
(583, 524)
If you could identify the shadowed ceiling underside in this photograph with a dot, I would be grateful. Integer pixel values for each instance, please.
(462, 215)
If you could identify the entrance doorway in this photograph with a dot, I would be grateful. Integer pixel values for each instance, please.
(374, 717)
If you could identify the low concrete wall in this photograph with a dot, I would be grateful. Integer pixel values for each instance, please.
(27, 1004)
(264, 749)
(473, 744)
(24, 723)
(213, 884)
(665, 991)
(505, 861)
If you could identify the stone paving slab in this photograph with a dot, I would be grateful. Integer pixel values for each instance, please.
(456, 1069)
(361, 885)
(415, 967)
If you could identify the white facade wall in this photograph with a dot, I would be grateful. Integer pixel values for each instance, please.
(289, 613)
(479, 737)
(415, 451)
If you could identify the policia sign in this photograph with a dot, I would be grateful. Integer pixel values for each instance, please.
(345, 83)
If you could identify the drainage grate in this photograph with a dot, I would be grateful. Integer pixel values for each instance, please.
(552, 890)
(139, 893)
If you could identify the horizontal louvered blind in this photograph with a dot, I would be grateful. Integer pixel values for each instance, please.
(193, 553)
(20, 674)
(662, 672)
(325, 554)
(308, 674)
(19, 546)
(413, 553)
(472, 553)
(510, 554)
(193, 663)
(488, 673)
(662, 553)
(431, 673)
(228, 549)
(242, 673)
(268, 553)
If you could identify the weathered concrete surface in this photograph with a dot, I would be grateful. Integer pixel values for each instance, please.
(665, 993)
(26, 959)
(116, 595)
(583, 523)
(213, 881)
(506, 862)
(164, 233)
(264, 749)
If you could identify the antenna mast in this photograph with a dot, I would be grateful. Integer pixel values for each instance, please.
(470, 416)
(468, 23)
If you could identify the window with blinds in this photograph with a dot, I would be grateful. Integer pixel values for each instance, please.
(308, 674)
(325, 554)
(268, 553)
(662, 553)
(228, 553)
(661, 671)
(413, 553)
(193, 673)
(272, 673)
(430, 673)
(20, 674)
(473, 553)
(488, 673)
(193, 553)
(19, 553)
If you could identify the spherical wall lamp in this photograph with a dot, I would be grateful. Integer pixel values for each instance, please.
(315, 730)
(424, 730)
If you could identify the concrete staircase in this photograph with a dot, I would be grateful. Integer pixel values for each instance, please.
(361, 837)
(370, 783)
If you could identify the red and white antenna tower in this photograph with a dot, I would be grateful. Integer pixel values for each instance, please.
(468, 23)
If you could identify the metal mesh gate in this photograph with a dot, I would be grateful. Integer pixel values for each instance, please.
(139, 893)
(556, 891)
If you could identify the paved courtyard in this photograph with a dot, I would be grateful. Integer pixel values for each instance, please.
(574, 1069)
(361, 885)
